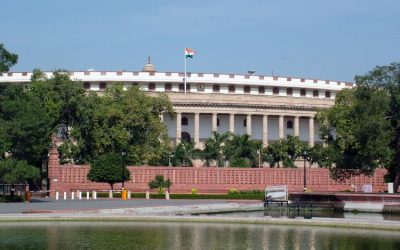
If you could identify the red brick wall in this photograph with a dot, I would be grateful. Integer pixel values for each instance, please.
(209, 180)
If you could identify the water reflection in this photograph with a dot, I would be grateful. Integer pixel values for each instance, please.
(133, 235)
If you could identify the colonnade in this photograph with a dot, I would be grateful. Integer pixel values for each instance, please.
(265, 118)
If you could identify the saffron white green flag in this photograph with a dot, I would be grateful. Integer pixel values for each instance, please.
(189, 52)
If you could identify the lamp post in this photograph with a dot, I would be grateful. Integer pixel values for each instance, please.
(305, 170)
(123, 153)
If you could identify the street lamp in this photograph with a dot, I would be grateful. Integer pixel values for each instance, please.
(123, 153)
(305, 170)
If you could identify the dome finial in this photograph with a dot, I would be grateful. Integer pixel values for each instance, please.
(149, 67)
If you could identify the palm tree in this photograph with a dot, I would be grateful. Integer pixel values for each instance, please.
(185, 153)
(241, 151)
(214, 147)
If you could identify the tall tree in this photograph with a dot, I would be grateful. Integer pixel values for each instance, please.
(213, 149)
(362, 129)
(185, 153)
(120, 121)
(7, 59)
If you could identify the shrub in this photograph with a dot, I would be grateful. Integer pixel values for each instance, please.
(232, 191)
(194, 190)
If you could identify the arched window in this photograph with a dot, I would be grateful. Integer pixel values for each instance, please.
(275, 90)
(186, 137)
(231, 88)
(289, 91)
(168, 87)
(184, 121)
(315, 93)
(246, 89)
(86, 85)
(303, 92)
(289, 125)
(151, 86)
(261, 90)
(215, 88)
(327, 94)
(103, 85)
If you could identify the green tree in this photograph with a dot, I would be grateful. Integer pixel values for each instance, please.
(185, 153)
(109, 168)
(241, 151)
(24, 128)
(120, 120)
(7, 59)
(362, 129)
(275, 153)
(214, 149)
(160, 183)
(19, 172)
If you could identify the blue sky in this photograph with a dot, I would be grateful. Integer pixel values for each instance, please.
(322, 39)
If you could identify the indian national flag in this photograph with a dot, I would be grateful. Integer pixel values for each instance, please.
(189, 52)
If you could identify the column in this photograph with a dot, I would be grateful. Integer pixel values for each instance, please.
(196, 129)
(311, 132)
(248, 125)
(178, 127)
(232, 123)
(281, 130)
(296, 126)
(265, 130)
(214, 122)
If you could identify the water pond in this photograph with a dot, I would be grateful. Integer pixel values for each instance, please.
(157, 235)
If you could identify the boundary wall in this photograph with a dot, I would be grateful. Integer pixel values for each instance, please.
(67, 178)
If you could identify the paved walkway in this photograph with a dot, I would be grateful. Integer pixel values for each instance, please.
(71, 206)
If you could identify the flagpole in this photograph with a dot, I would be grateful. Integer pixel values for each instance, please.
(184, 78)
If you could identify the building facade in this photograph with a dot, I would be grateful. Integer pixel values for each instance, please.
(267, 108)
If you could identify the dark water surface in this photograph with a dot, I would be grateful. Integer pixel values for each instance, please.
(135, 235)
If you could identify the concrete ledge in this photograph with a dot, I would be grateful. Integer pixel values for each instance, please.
(363, 207)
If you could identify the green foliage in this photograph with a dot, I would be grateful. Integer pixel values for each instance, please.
(237, 196)
(121, 120)
(214, 147)
(24, 128)
(13, 171)
(241, 151)
(109, 168)
(7, 59)
(185, 153)
(9, 198)
(362, 128)
(285, 152)
(160, 184)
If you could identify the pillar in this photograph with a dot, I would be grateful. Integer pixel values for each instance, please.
(265, 130)
(296, 126)
(178, 127)
(311, 132)
(248, 125)
(281, 130)
(196, 129)
(232, 123)
(214, 122)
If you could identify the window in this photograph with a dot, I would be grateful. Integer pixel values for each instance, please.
(261, 90)
(231, 76)
(303, 92)
(200, 74)
(289, 79)
(315, 93)
(103, 85)
(275, 90)
(215, 88)
(119, 73)
(289, 91)
(217, 122)
(289, 125)
(182, 87)
(151, 86)
(86, 85)
(231, 89)
(168, 87)
(244, 122)
(327, 94)
(184, 121)
(302, 80)
(246, 89)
